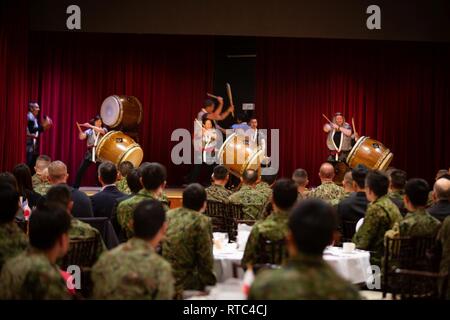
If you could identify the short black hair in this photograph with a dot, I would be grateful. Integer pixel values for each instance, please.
(125, 167)
(97, 117)
(47, 224)
(241, 117)
(359, 174)
(148, 218)
(220, 172)
(398, 179)
(108, 172)
(208, 103)
(269, 178)
(250, 176)
(8, 178)
(441, 173)
(9, 199)
(417, 191)
(153, 175)
(445, 176)
(378, 183)
(194, 196)
(58, 194)
(312, 224)
(134, 180)
(300, 176)
(23, 177)
(284, 193)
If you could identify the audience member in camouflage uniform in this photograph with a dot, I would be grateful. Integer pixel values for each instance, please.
(60, 195)
(134, 270)
(40, 178)
(418, 222)
(253, 201)
(188, 244)
(397, 181)
(217, 191)
(275, 226)
(328, 190)
(306, 275)
(34, 275)
(13, 241)
(124, 168)
(381, 216)
(153, 178)
(265, 185)
(347, 184)
(300, 177)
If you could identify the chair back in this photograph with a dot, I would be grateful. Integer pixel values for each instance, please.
(106, 229)
(272, 252)
(348, 230)
(217, 212)
(82, 252)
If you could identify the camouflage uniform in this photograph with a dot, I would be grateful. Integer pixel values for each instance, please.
(381, 216)
(188, 247)
(254, 202)
(444, 238)
(265, 189)
(80, 230)
(218, 193)
(397, 194)
(274, 227)
(336, 201)
(132, 271)
(40, 186)
(303, 278)
(126, 207)
(12, 241)
(31, 276)
(419, 224)
(327, 191)
(123, 186)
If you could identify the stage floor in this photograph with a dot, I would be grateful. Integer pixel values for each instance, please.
(175, 195)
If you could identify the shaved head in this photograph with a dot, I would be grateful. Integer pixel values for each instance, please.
(326, 171)
(57, 172)
(442, 189)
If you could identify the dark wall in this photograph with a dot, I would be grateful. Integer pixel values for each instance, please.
(418, 20)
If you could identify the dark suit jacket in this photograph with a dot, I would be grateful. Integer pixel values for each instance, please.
(103, 202)
(440, 210)
(82, 207)
(353, 208)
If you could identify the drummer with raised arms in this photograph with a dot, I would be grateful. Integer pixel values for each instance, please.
(339, 139)
(94, 132)
(208, 112)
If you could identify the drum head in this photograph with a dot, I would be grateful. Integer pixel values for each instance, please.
(111, 111)
(134, 155)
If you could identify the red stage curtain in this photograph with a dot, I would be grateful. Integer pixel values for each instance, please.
(13, 82)
(72, 73)
(398, 93)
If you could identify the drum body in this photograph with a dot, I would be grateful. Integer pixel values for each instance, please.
(122, 112)
(117, 147)
(237, 154)
(371, 153)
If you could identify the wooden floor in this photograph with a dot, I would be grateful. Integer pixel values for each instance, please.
(175, 195)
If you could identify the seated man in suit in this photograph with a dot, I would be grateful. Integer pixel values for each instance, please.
(103, 202)
(354, 207)
(441, 196)
(57, 174)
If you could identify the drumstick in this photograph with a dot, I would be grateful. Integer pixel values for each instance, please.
(326, 118)
(79, 128)
(353, 123)
(230, 97)
(212, 96)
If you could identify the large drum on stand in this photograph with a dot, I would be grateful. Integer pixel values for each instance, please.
(117, 147)
(238, 154)
(122, 112)
(371, 153)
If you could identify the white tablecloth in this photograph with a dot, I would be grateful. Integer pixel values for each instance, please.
(351, 266)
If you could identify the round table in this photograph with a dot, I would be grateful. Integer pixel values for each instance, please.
(355, 266)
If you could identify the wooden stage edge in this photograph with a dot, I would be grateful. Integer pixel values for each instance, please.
(175, 195)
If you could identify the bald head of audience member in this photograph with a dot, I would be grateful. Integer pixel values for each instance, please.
(348, 182)
(57, 172)
(326, 173)
(441, 190)
(250, 177)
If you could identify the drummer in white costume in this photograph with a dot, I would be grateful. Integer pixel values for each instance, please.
(339, 139)
(93, 135)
